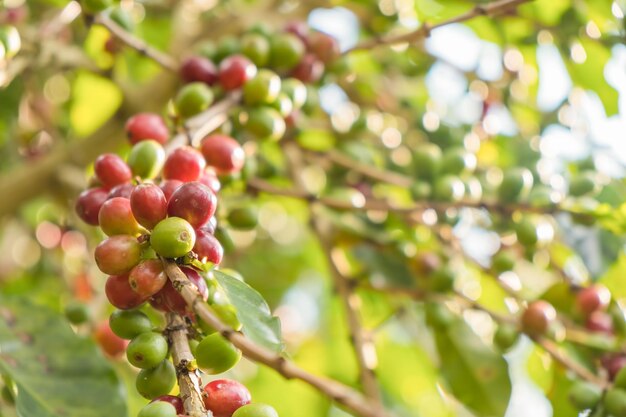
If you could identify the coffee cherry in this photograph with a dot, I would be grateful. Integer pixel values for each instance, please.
(158, 409)
(457, 161)
(526, 231)
(256, 410)
(244, 218)
(184, 164)
(324, 46)
(309, 69)
(516, 184)
(215, 354)
(122, 190)
(149, 205)
(426, 161)
(209, 178)
(147, 126)
(89, 203)
(108, 341)
(175, 401)
(283, 105)
(192, 99)
(227, 47)
(583, 184)
(266, 123)
(120, 294)
(168, 187)
(147, 278)
(503, 261)
(442, 280)
(111, 170)
(223, 153)
(262, 89)
(448, 188)
(296, 91)
(593, 298)
(146, 159)
(538, 318)
(173, 237)
(298, 28)
(615, 402)
(584, 395)
(286, 50)
(147, 350)
(614, 364)
(118, 254)
(76, 312)
(599, 322)
(256, 47)
(116, 218)
(226, 313)
(224, 396)
(156, 382)
(207, 247)
(194, 202)
(620, 378)
(128, 324)
(505, 337)
(198, 69)
(235, 71)
(173, 301)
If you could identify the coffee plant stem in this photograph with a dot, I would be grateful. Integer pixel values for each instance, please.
(189, 380)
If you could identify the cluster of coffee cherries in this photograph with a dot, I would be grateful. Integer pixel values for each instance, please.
(154, 209)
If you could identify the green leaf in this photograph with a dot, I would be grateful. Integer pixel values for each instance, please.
(58, 374)
(476, 374)
(94, 100)
(253, 312)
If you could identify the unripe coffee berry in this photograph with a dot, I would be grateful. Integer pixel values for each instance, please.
(158, 409)
(147, 350)
(175, 401)
(193, 99)
(173, 237)
(128, 324)
(157, 381)
(215, 354)
(256, 410)
(146, 159)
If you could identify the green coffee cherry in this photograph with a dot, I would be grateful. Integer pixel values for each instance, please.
(286, 51)
(157, 381)
(503, 261)
(243, 218)
(526, 231)
(266, 123)
(420, 190)
(438, 315)
(449, 189)
(256, 47)
(442, 280)
(516, 184)
(583, 184)
(192, 99)
(584, 395)
(147, 350)
(426, 161)
(77, 312)
(256, 410)
(226, 47)
(615, 402)
(506, 336)
(146, 159)
(457, 161)
(173, 237)
(283, 105)
(128, 324)
(296, 91)
(158, 409)
(262, 89)
(215, 354)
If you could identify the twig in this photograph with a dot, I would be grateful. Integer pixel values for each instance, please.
(137, 44)
(364, 349)
(491, 9)
(339, 392)
(189, 381)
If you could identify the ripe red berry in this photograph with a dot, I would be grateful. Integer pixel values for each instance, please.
(235, 71)
(298, 28)
(194, 202)
(207, 247)
(209, 178)
(184, 164)
(169, 186)
(224, 396)
(593, 298)
(538, 317)
(147, 278)
(108, 341)
(148, 204)
(116, 217)
(223, 153)
(122, 190)
(599, 322)
(324, 46)
(177, 402)
(309, 70)
(145, 126)
(197, 68)
(118, 254)
(168, 299)
(613, 364)
(120, 294)
(111, 170)
(89, 203)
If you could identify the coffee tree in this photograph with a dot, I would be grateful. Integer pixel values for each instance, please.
(264, 208)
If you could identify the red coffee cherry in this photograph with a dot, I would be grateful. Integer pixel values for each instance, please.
(149, 205)
(184, 164)
(168, 299)
(145, 126)
(223, 153)
(538, 318)
(599, 322)
(613, 364)
(116, 218)
(298, 28)
(235, 71)
(194, 202)
(120, 294)
(109, 342)
(324, 46)
(89, 203)
(197, 68)
(177, 402)
(207, 247)
(309, 70)
(224, 396)
(209, 178)
(111, 170)
(168, 187)
(147, 278)
(122, 190)
(118, 254)
(593, 298)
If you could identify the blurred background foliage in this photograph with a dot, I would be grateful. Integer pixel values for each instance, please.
(543, 88)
